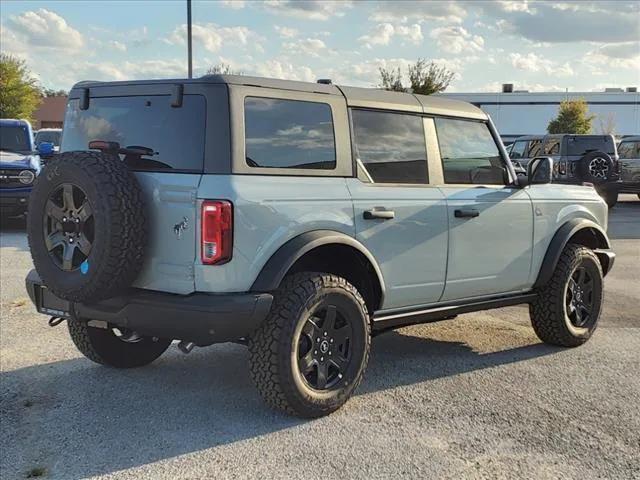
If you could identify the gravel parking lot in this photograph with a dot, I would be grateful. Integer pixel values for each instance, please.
(477, 397)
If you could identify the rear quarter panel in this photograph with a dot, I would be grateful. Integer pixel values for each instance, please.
(267, 212)
(553, 206)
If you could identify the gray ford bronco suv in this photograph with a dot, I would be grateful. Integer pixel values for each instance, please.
(299, 219)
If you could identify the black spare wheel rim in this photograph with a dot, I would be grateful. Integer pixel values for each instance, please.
(325, 346)
(87, 226)
(579, 299)
(69, 226)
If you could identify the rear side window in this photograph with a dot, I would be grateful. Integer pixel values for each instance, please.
(174, 136)
(288, 134)
(391, 146)
(582, 145)
(629, 150)
(469, 153)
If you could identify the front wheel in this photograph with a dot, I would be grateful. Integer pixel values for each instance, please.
(309, 355)
(568, 307)
(114, 347)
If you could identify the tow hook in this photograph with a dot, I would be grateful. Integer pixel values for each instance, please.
(186, 347)
(55, 321)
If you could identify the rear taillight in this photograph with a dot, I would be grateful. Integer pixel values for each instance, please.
(217, 231)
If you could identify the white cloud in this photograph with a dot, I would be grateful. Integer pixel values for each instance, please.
(308, 9)
(405, 10)
(616, 55)
(383, 33)
(235, 4)
(212, 37)
(455, 39)
(116, 45)
(535, 63)
(41, 29)
(286, 32)
(274, 68)
(313, 47)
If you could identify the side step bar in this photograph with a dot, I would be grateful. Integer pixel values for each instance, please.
(384, 321)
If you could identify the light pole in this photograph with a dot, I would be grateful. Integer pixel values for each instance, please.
(189, 50)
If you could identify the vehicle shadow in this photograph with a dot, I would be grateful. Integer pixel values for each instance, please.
(78, 419)
(13, 232)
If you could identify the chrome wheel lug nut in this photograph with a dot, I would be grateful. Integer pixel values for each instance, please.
(325, 334)
(318, 339)
(315, 352)
(322, 359)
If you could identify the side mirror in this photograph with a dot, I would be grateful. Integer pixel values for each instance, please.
(45, 149)
(540, 170)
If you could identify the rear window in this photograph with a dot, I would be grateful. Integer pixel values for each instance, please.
(518, 150)
(288, 134)
(175, 135)
(583, 145)
(48, 137)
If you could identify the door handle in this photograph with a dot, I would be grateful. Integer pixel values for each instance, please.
(378, 213)
(466, 213)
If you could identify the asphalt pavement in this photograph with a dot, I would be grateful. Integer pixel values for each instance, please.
(475, 397)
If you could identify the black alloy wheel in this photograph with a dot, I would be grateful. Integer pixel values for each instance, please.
(579, 298)
(324, 352)
(68, 226)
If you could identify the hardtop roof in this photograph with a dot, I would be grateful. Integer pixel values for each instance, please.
(355, 96)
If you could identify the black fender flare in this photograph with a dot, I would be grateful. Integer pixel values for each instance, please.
(288, 254)
(562, 237)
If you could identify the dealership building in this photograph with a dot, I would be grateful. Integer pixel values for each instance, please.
(519, 112)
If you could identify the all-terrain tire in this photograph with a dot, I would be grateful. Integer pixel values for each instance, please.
(104, 347)
(272, 347)
(549, 313)
(119, 225)
(610, 197)
(603, 167)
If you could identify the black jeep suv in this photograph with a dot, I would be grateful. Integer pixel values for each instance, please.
(577, 159)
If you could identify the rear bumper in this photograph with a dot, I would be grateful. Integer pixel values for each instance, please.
(199, 317)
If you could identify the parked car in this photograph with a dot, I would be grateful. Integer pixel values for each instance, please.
(299, 219)
(19, 165)
(577, 159)
(629, 151)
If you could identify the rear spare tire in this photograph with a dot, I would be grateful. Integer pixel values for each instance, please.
(596, 167)
(87, 226)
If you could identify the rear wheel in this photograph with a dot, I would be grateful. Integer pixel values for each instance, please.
(309, 355)
(567, 309)
(610, 197)
(114, 347)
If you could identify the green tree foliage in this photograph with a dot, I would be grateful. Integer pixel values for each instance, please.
(425, 78)
(573, 117)
(19, 92)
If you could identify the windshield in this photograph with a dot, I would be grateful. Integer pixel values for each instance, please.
(156, 135)
(14, 139)
(48, 137)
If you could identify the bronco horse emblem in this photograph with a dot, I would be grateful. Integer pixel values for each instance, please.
(178, 228)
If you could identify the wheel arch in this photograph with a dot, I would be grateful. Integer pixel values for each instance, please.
(326, 251)
(580, 231)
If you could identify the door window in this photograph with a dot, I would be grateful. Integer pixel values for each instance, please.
(629, 150)
(535, 148)
(288, 134)
(552, 146)
(390, 146)
(469, 153)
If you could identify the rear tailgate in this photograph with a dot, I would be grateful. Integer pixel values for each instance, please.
(170, 255)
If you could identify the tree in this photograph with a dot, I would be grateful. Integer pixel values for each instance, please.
(223, 69)
(428, 78)
(425, 78)
(573, 117)
(607, 124)
(50, 92)
(19, 92)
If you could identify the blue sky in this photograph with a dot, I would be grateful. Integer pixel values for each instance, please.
(544, 46)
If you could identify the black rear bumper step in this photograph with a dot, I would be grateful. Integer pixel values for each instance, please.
(199, 317)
